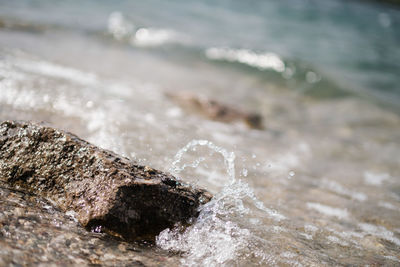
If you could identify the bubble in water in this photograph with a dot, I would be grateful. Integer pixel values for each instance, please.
(244, 172)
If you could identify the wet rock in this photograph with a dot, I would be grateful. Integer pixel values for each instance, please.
(105, 192)
(215, 110)
(41, 235)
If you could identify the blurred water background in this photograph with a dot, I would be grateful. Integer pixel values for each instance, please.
(319, 185)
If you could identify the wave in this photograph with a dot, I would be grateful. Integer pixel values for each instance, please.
(261, 61)
(268, 65)
(123, 29)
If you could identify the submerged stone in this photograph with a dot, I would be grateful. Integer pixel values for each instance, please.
(105, 192)
(215, 110)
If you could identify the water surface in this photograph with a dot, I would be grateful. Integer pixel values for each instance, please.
(318, 186)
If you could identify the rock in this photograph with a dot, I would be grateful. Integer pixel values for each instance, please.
(215, 110)
(42, 235)
(105, 192)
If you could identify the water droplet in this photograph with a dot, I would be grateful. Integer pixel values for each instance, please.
(291, 174)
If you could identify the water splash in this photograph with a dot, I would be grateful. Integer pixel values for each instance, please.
(222, 234)
(229, 158)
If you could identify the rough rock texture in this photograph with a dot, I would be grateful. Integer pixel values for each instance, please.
(105, 192)
(34, 233)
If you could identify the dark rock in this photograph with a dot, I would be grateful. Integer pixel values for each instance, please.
(107, 193)
(34, 233)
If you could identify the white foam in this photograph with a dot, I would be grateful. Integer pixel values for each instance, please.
(22, 72)
(57, 71)
(123, 29)
(119, 26)
(379, 231)
(372, 178)
(339, 189)
(327, 210)
(209, 243)
(153, 37)
(261, 61)
(387, 205)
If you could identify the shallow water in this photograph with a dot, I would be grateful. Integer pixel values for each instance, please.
(319, 186)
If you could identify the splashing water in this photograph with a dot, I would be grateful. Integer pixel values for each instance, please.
(229, 158)
(221, 235)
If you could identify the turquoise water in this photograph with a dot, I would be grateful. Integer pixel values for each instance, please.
(344, 46)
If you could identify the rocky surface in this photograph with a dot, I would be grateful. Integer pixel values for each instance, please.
(103, 191)
(34, 233)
